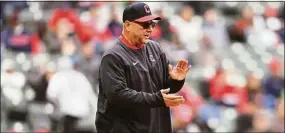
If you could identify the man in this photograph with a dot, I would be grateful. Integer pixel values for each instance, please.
(88, 63)
(72, 93)
(273, 83)
(133, 77)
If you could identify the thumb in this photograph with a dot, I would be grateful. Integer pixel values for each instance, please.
(169, 68)
(165, 90)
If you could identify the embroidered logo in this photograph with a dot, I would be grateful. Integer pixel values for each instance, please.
(151, 58)
(134, 63)
(146, 8)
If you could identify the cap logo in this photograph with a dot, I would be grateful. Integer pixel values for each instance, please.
(146, 8)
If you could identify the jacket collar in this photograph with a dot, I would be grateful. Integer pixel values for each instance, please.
(128, 44)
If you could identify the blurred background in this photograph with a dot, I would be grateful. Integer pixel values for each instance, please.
(236, 50)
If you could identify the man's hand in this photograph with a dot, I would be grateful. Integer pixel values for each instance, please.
(171, 100)
(180, 71)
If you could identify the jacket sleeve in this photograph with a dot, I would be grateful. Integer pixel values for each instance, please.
(174, 85)
(113, 84)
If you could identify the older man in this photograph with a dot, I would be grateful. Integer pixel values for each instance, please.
(133, 77)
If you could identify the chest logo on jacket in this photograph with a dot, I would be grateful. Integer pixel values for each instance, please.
(151, 58)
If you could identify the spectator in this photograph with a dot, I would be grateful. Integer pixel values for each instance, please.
(222, 89)
(17, 37)
(187, 112)
(273, 83)
(38, 82)
(38, 37)
(253, 85)
(242, 25)
(98, 23)
(63, 24)
(214, 31)
(175, 51)
(75, 100)
(114, 25)
(188, 27)
(88, 63)
(253, 101)
(164, 28)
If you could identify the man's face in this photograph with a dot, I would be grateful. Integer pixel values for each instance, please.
(140, 31)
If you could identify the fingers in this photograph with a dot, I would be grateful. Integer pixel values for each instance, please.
(173, 97)
(165, 91)
(179, 101)
(169, 68)
(182, 64)
(178, 69)
(175, 102)
(188, 68)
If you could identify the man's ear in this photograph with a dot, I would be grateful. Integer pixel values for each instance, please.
(127, 26)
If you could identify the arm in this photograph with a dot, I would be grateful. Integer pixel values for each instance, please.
(89, 92)
(174, 85)
(113, 83)
(55, 86)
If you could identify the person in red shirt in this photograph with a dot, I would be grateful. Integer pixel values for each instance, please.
(224, 92)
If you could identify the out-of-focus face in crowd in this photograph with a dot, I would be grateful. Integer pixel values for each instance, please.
(275, 66)
(210, 15)
(187, 13)
(63, 28)
(247, 13)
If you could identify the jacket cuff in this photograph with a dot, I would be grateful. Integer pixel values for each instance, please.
(176, 81)
(175, 85)
(159, 98)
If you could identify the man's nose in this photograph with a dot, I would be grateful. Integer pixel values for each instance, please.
(150, 28)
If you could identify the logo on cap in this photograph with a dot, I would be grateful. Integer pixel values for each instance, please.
(146, 8)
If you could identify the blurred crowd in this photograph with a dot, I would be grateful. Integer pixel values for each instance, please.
(51, 51)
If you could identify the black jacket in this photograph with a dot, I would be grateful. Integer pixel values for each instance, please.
(38, 82)
(129, 90)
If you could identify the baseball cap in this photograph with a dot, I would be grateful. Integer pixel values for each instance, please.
(139, 12)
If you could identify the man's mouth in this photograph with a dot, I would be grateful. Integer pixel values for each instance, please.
(146, 36)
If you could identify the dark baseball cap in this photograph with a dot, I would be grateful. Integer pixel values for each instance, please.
(139, 12)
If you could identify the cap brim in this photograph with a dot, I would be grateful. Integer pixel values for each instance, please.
(148, 18)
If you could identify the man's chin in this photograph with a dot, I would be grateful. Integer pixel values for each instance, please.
(145, 41)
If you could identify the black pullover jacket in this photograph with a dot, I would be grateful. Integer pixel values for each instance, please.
(130, 80)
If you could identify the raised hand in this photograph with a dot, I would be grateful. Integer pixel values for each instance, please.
(180, 71)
